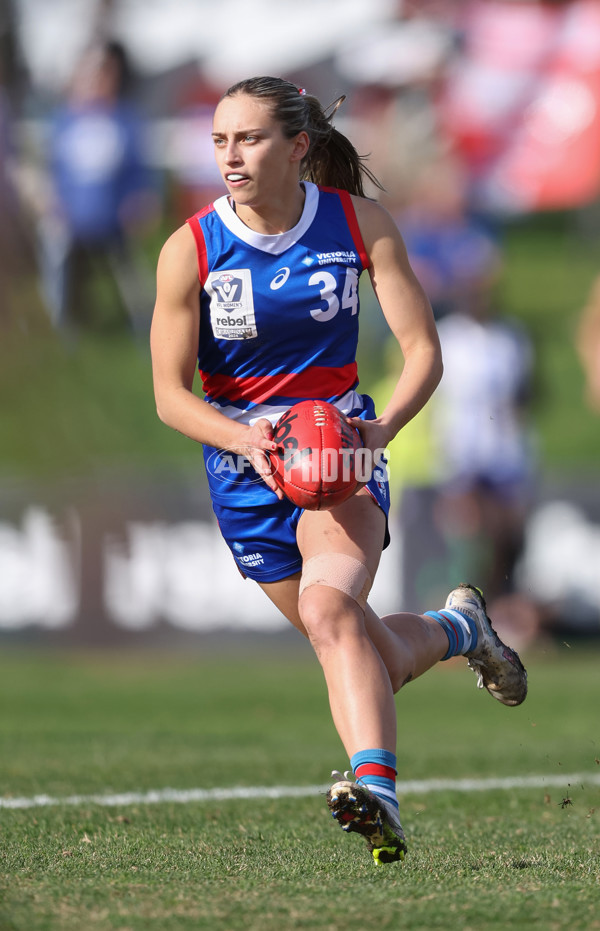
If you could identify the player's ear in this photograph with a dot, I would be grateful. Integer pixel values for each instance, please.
(301, 145)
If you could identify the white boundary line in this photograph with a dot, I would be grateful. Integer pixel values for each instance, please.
(183, 796)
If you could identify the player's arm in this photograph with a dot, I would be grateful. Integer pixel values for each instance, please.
(174, 337)
(408, 314)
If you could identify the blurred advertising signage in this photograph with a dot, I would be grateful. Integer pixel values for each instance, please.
(73, 579)
(67, 574)
(521, 103)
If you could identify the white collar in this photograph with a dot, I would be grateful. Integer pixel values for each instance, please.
(279, 242)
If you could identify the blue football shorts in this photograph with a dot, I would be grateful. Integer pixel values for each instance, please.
(262, 539)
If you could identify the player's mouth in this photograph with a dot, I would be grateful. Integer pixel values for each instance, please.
(235, 179)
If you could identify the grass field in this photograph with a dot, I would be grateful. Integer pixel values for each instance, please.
(99, 724)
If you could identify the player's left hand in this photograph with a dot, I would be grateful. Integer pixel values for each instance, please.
(374, 437)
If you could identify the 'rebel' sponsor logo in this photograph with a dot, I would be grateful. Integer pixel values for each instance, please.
(231, 304)
(232, 321)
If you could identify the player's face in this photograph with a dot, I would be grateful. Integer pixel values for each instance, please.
(257, 163)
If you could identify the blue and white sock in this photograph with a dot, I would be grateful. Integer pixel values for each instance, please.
(460, 630)
(376, 770)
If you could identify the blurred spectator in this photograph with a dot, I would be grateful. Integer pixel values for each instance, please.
(452, 252)
(102, 198)
(588, 346)
(482, 443)
(465, 466)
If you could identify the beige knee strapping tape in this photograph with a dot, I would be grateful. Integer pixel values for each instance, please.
(339, 571)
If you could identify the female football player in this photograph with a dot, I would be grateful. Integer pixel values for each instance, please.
(259, 290)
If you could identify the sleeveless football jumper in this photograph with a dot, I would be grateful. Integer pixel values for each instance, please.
(278, 322)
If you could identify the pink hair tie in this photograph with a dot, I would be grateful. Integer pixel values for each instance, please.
(302, 91)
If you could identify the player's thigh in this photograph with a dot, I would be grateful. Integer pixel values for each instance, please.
(355, 528)
(284, 595)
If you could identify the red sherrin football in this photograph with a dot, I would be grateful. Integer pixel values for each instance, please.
(314, 465)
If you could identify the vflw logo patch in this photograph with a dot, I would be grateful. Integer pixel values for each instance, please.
(231, 304)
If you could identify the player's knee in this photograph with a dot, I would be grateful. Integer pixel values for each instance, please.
(328, 616)
(340, 572)
(333, 596)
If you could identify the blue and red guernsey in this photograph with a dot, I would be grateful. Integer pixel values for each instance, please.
(278, 314)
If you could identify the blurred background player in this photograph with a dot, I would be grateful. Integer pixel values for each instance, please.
(102, 198)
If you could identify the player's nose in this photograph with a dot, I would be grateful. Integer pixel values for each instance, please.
(232, 153)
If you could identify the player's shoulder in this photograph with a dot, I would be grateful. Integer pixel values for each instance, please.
(178, 255)
(179, 244)
(371, 211)
(374, 220)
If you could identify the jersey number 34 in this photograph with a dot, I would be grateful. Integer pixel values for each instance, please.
(327, 284)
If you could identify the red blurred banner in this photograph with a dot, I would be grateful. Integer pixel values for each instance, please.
(522, 103)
